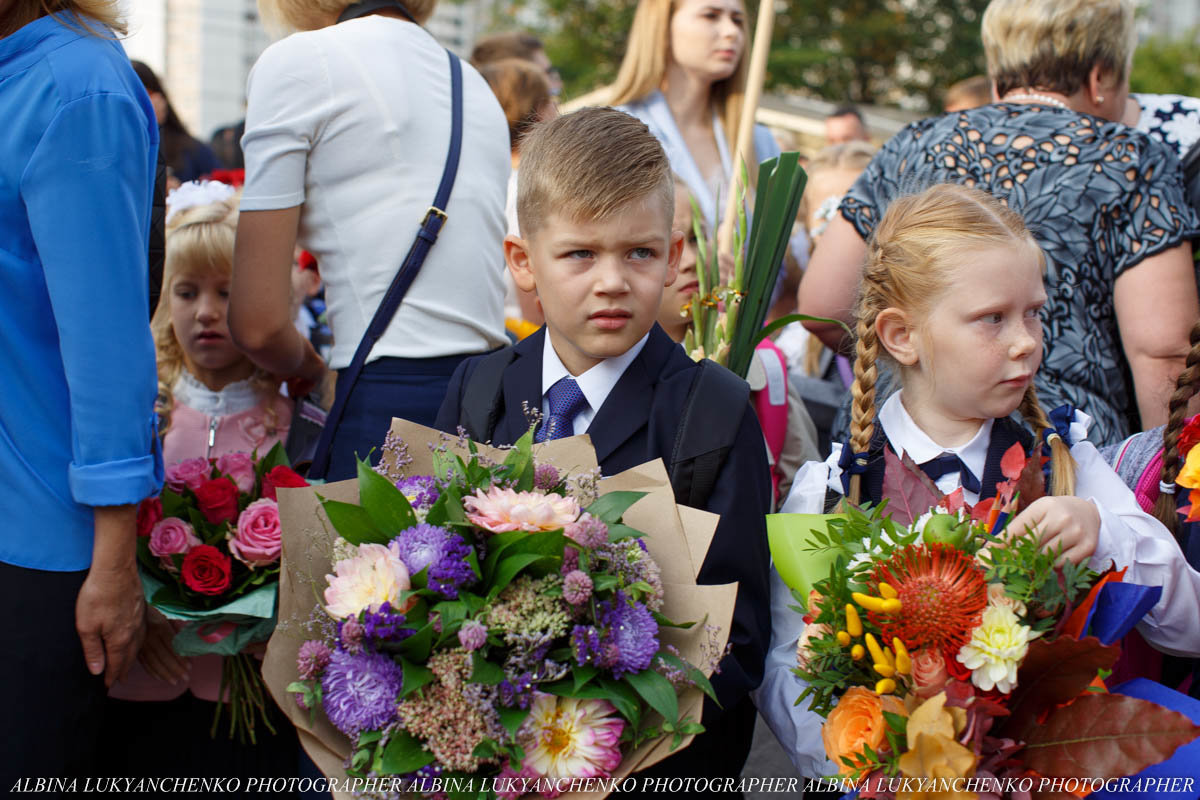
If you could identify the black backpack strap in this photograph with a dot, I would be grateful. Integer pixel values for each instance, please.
(480, 405)
(427, 235)
(712, 415)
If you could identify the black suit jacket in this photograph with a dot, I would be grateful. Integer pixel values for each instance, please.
(637, 423)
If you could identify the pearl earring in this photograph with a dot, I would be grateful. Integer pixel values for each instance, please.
(1099, 99)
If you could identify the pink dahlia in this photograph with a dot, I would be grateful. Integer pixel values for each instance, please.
(567, 737)
(501, 510)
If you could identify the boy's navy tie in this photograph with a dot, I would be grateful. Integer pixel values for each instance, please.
(566, 401)
(947, 463)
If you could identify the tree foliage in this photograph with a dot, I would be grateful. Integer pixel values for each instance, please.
(866, 51)
(1167, 65)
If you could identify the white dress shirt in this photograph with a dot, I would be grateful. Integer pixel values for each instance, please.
(595, 384)
(1129, 537)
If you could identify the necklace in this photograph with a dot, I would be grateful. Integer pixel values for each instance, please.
(1036, 98)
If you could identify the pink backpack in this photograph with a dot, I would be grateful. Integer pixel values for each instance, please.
(771, 405)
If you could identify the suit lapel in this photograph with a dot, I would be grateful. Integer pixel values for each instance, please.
(626, 410)
(522, 388)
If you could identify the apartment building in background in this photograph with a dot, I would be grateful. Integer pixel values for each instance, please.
(203, 50)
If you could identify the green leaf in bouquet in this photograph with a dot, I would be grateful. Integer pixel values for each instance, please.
(418, 646)
(784, 321)
(484, 671)
(623, 698)
(415, 676)
(512, 719)
(487, 749)
(657, 691)
(897, 723)
(353, 523)
(666, 622)
(694, 674)
(583, 673)
(781, 183)
(605, 582)
(275, 457)
(451, 613)
(503, 545)
(173, 504)
(618, 531)
(519, 462)
(611, 506)
(510, 567)
(1106, 736)
(386, 505)
(404, 754)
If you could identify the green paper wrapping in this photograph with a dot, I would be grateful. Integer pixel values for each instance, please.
(253, 616)
(790, 539)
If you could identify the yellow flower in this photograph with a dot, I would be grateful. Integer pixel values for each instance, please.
(934, 752)
(1189, 476)
(996, 649)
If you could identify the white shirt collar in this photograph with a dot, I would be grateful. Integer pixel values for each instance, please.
(906, 437)
(236, 397)
(596, 383)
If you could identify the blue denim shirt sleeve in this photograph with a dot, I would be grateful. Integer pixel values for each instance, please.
(85, 191)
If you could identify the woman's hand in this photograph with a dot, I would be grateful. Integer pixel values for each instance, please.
(1071, 523)
(157, 655)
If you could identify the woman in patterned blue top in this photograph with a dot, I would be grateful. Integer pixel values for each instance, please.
(1105, 202)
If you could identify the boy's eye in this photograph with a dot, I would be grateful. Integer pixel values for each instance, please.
(994, 318)
(580, 254)
(641, 253)
(1034, 312)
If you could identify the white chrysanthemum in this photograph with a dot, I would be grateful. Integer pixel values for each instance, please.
(870, 554)
(996, 649)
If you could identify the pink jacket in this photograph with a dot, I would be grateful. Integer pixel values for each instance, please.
(209, 424)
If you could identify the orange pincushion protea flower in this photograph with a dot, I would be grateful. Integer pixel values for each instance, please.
(942, 594)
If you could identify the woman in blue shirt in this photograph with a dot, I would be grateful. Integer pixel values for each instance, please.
(77, 438)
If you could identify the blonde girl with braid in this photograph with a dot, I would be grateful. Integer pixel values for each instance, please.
(950, 298)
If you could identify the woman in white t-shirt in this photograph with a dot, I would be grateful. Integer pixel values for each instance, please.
(347, 132)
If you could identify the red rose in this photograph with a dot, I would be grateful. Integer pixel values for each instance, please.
(206, 569)
(218, 500)
(281, 477)
(149, 514)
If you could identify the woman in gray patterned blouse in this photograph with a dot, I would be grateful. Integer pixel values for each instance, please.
(1105, 202)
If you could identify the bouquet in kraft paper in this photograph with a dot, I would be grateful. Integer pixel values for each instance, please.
(499, 620)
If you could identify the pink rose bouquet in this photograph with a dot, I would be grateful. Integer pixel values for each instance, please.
(212, 540)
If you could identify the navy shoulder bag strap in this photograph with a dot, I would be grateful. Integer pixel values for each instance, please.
(427, 234)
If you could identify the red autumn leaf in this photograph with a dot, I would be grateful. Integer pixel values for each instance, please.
(1031, 483)
(907, 489)
(1013, 462)
(1106, 736)
(954, 501)
(981, 510)
(1053, 673)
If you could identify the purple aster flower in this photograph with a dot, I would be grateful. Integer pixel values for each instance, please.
(545, 477)
(630, 632)
(360, 691)
(385, 625)
(442, 551)
(587, 532)
(585, 643)
(472, 635)
(577, 587)
(351, 634)
(421, 490)
(312, 659)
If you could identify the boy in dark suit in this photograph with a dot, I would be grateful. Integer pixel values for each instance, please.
(595, 202)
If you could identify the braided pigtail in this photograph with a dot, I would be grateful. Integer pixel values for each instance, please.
(1177, 412)
(862, 392)
(1062, 463)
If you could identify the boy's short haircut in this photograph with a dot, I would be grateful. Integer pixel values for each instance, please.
(588, 165)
